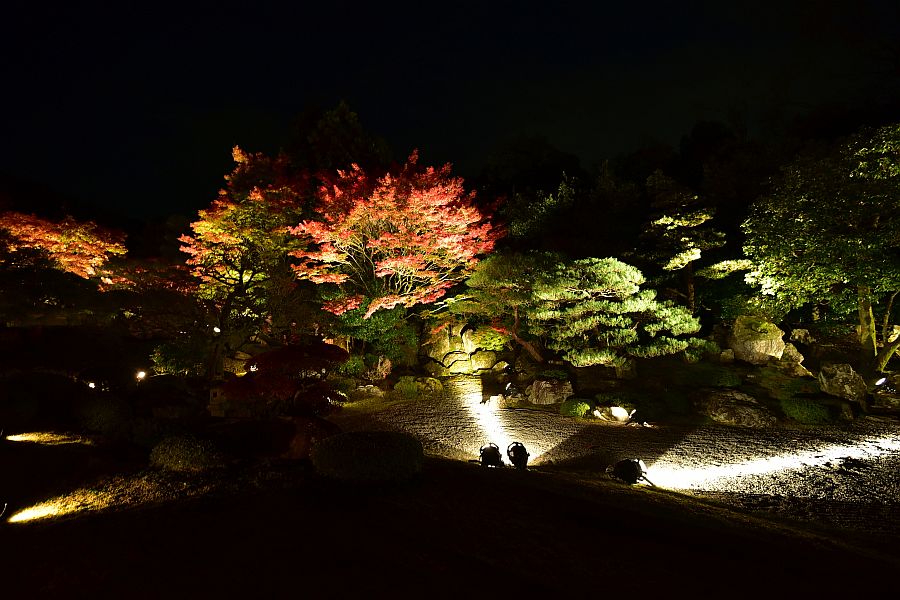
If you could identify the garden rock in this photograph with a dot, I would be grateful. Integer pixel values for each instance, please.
(307, 432)
(731, 407)
(453, 352)
(549, 392)
(842, 381)
(755, 340)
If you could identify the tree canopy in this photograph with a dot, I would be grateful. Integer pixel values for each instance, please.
(829, 231)
(401, 239)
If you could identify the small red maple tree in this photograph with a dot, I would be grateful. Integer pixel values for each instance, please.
(400, 239)
(81, 248)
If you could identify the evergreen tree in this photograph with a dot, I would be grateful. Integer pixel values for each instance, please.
(593, 311)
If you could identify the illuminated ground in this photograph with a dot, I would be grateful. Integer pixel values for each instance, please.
(836, 475)
(277, 530)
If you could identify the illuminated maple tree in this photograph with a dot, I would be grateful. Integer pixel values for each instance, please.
(238, 247)
(82, 248)
(398, 240)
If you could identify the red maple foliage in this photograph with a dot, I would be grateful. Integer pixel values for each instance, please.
(400, 239)
(81, 248)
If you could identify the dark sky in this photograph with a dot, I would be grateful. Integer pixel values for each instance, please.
(135, 107)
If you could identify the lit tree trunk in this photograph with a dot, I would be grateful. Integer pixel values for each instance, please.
(689, 286)
(524, 343)
(867, 342)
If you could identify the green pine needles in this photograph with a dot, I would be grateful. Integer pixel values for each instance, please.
(593, 312)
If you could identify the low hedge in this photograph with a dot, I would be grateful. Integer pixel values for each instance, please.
(186, 453)
(368, 456)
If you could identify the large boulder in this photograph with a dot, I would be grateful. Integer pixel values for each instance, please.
(453, 352)
(755, 340)
(731, 407)
(549, 392)
(842, 381)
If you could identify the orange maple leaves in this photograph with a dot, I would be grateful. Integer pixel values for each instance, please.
(401, 239)
(81, 248)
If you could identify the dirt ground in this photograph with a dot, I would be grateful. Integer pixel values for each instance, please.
(458, 529)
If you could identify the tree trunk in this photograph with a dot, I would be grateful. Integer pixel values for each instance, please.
(885, 354)
(524, 343)
(867, 342)
(689, 286)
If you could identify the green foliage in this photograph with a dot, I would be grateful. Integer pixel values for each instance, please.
(558, 374)
(592, 311)
(805, 411)
(574, 408)
(699, 348)
(784, 387)
(828, 225)
(354, 366)
(415, 387)
(529, 214)
(368, 456)
(386, 332)
(488, 338)
(186, 453)
(680, 229)
(184, 356)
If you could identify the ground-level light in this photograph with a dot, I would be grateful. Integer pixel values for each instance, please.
(140, 375)
(630, 470)
(881, 381)
(518, 455)
(490, 455)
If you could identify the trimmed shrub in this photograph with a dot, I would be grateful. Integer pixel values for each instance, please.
(412, 387)
(368, 456)
(354, 366)
(574, 408)
(106, 414)
(186, 453)
(556, 374)
(805, 411)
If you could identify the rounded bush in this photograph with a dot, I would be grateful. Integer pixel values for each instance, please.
(368, 456)
(186, 453)
(574, 408)
(106, 414)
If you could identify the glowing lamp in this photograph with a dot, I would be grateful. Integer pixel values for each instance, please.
(518, 455)
(92, 385)
(140, 375)
(881, 381)
(216, 330)
(490, 455)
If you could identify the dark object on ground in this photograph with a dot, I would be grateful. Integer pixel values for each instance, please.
(368, 456)
(630, 470)
(518, 455)
(490, 456)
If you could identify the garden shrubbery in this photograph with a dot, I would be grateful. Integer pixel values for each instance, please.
(805, 411)
(412, 387)
(368, 456)
(186, 453)
(574, 408)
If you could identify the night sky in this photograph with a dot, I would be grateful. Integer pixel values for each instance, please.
(133, 109)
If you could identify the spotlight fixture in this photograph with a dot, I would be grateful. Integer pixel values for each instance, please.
(881, 381)
(630, 470)
(140, 375)
(518, 455)
(490, 455)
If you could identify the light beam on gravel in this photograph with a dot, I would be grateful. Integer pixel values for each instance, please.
(678, 476)
(48, 438)
(488, 419)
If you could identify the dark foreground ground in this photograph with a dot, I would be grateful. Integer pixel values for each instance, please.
(457, 531)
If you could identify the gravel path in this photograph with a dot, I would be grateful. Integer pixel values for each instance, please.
(848, 476)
